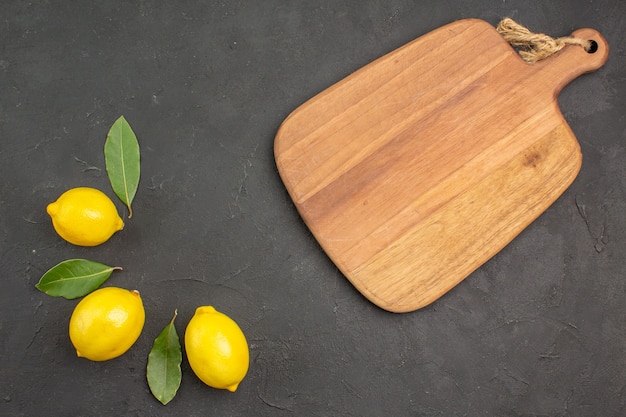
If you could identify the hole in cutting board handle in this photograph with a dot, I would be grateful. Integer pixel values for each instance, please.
(593, 47)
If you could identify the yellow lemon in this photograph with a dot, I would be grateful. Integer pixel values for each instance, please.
(84, 216)
(106, 323)
(217, 349)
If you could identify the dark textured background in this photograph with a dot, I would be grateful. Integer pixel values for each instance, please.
(537, 331)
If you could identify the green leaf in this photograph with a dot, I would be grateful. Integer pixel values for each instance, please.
(163, 370)
(121, 154)
(74, 278)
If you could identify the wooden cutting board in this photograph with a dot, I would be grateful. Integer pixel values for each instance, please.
(418, 168)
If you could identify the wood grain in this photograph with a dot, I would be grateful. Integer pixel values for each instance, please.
(416, 169)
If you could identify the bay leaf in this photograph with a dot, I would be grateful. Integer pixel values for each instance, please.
(163, 371)
(74, 278)
(122, 160)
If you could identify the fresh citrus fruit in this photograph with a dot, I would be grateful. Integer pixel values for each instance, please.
(84, 216)
(106, 323)
(217, 349)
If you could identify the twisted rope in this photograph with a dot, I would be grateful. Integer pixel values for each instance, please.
(534, 47)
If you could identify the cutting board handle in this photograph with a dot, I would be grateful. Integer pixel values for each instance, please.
(573, 60)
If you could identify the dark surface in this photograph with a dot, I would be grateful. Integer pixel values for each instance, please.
(538, 330)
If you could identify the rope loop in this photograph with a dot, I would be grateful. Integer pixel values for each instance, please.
(534, 47)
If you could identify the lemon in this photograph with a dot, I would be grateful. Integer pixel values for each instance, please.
(217, 349)
(84, 216)
(106, 323)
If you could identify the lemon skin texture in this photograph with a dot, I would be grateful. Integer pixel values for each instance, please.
(106, 323)
(84, 216)
(216, 349)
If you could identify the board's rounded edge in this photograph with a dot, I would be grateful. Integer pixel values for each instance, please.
(405, 304)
